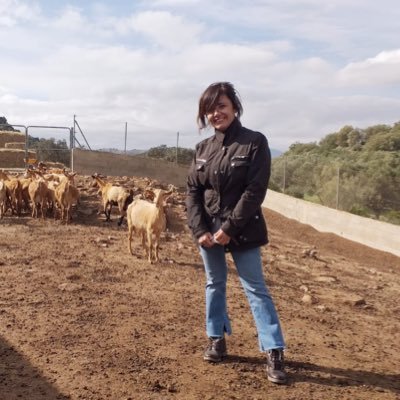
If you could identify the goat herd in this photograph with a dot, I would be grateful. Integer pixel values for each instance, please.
(41, 191)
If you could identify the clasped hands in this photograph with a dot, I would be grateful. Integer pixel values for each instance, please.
(219, 237)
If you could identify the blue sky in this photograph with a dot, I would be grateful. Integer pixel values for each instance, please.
(303, 68)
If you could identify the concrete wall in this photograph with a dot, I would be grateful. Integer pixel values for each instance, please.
(372, 233)
(88, 162)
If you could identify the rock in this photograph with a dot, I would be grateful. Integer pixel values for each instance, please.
(308, 299)
(70, 287)
(358, 301)
(313, 253)
(310, 253)
(326, 278)
(323, 308)
(171, 388)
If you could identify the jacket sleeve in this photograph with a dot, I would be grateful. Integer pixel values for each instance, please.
(255, 188)
(194, 203)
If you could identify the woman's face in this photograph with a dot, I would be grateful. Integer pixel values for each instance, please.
(222, 115)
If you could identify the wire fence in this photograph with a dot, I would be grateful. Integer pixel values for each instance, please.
(368, 187)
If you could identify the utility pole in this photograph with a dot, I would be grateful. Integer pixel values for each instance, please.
(126, 133)
(177, 144)
(73, 133)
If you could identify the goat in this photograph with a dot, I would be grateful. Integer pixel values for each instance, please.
(25, 182)
(51, 196)
(14, 193)
(113, 195)
(4, 176)
(148, 220)
(37, 190)
(3, 198)
(66, 194)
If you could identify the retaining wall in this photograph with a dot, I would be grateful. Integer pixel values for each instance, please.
(372, 233)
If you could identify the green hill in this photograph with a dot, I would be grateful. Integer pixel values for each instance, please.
(355, 170)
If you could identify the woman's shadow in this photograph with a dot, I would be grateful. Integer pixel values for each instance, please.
(329, 376)
(20, 379)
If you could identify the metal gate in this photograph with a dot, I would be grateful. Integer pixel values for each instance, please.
(33, 150)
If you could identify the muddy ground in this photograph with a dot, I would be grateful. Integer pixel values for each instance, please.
(81, 318)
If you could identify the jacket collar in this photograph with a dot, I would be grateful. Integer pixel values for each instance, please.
(230, 133)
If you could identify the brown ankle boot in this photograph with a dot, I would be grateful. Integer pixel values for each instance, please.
(215, 350)
(276, 366)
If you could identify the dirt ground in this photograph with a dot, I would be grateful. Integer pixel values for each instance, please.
(81, 318)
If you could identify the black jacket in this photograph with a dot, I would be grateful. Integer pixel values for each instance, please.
(228, 180)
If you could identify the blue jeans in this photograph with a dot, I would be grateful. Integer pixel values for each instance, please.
(249, 268)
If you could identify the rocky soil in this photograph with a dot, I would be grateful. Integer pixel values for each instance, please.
(81, 318)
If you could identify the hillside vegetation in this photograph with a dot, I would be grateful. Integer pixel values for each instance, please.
(355, 170)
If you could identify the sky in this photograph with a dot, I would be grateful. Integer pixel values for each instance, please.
(303, 68)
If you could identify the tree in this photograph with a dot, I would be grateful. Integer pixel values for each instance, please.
(5, 126)
(185, 156)
(359, 167)
(375, 130)
(329, 142)
(342, 137)
(389, 141)
(51, 150)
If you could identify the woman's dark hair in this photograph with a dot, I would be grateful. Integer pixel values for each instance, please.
(209, 99)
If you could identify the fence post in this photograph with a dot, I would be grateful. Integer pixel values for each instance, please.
(126, 134)
(337, 187)
(284, 175)
(26, 147)
(177, 144)
(71, 146)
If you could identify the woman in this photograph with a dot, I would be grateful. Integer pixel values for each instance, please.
(227, 183)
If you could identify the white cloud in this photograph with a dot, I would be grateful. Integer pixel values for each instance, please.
(164, 28)
(383, 69)
(14, 11)
(174, 3)
(71, 18)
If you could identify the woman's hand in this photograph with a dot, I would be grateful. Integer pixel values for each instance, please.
(206, 240)
(220, 237)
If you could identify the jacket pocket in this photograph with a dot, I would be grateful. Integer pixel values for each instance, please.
(240, 161)
(239, 166)
(200, 164)
(255, 230)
